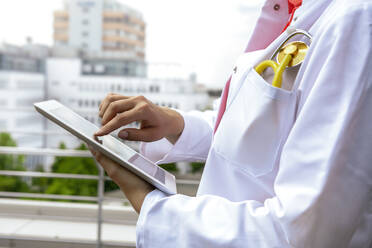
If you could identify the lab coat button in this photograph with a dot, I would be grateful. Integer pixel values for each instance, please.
(235, 69)
(276, 7)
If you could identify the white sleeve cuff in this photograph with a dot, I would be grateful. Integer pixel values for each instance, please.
(149, 201)
(192, 145)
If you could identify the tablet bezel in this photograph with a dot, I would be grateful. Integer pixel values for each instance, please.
(45, 109)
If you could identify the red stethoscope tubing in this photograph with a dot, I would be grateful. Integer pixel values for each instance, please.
(293, 5)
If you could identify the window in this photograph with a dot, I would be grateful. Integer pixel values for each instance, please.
(87, 68)
(85, 22)
(26, 102)
(60, 43)
(60, 31)
(61, 19)
(3, 124)
(85, 34)
(26, 120)
(4, 84)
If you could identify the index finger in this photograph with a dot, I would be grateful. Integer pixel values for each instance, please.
(109, 99)
(116, 108)
(118, 121)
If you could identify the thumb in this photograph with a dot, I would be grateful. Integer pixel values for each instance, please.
(134, 134)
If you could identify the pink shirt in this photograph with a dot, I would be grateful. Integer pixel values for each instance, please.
(273, 18)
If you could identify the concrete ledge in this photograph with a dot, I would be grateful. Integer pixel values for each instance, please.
(26, 223)
(45, 209)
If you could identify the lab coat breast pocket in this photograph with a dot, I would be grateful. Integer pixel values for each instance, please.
(255, 125)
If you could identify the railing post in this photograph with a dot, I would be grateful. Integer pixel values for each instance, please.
(101, 187)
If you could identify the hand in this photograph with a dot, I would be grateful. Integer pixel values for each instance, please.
(134, 188)
(157, 122)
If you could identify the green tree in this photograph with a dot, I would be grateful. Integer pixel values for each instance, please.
(171, 167)
(11, 162)
(40, 184)
(197, 167)
(73, 165)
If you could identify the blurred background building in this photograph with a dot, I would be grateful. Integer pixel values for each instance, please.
(110, 34)
(99, 48)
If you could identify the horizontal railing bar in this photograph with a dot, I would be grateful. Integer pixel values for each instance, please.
(59, 197)
(31, 109)
(48, 196)
(72, 176)
(187, 182)
(106, 220)
(127, 244)
(13, 131)
(62, 153)
(50, 175)
(6, 150)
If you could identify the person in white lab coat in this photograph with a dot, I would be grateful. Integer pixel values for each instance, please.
(288, 167)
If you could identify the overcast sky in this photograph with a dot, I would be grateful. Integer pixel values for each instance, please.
(204, 36)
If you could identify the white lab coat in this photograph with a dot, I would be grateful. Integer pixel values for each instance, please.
(313, 188)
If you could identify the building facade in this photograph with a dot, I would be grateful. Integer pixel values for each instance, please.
(22, 82)
(100, 25)
(111, 36)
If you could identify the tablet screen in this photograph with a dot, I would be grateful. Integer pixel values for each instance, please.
(85, 127)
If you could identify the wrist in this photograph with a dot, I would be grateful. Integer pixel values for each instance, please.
(136, 196)
(177, 126)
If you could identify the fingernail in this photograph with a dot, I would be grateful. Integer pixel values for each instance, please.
(123, 135)
(98, 133)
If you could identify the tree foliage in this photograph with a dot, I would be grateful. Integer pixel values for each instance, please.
(73, 165)
(76, 165)
(197, 167)
(171, 167)
(11, 162)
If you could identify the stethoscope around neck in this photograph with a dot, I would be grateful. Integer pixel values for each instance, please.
(286, 55)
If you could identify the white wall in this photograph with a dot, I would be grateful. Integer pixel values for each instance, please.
(18, 92)
(86, 17)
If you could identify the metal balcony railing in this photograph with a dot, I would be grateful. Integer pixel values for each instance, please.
(66, 153)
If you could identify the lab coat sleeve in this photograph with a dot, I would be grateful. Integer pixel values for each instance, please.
(193, 144)
(324, 180)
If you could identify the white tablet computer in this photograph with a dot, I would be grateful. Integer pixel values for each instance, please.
(111, 146)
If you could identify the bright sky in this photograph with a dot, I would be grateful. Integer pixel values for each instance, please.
(205, 36)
